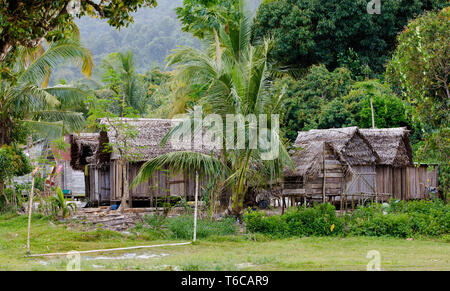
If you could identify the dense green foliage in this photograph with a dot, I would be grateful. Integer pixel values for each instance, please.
(420, 68)
(200, 16)
(320, 220)
(398, 219)
(336, 33)
(324, 99)
(13, 162)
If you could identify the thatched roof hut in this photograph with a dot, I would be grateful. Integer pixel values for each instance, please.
(83, 149)
(146, 144)
(392, 145)
(349, 146)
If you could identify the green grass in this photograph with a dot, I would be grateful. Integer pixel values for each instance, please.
(216, 253)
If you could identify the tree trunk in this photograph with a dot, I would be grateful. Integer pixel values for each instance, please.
(2, 190)
(218, 51)
(126, 190)
(6, 126)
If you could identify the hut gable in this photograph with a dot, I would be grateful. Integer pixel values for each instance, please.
(392, 145)
(146, 145)
(349, 146)
(83, 149)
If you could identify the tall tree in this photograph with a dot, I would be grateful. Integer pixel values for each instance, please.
(122, 80)
(420, 68)
(27, 23)
(204, 17)
(240, 85)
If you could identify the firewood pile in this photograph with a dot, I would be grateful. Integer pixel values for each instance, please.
(107, 218)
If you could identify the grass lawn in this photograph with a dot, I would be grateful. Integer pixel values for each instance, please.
(216, 253)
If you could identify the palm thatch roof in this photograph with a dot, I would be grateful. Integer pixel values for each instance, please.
(83, 149)
(348, 144)
(147, 142)
(392, 145)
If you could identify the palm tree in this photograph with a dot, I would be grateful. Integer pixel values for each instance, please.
(122, 80)
(25, 97)
(237, 84)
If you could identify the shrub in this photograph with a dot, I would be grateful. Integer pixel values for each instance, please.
(397, 219)
(259, 222)
(320, 220)
(397, 225)
(317, 221)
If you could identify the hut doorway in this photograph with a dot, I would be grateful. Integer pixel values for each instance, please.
(360, 185)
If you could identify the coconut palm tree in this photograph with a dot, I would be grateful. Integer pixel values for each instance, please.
(237, 84)
(120, 77)
(25, 97)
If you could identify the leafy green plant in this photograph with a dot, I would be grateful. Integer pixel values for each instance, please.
(396, 218)
(320, 220)
(61, 205)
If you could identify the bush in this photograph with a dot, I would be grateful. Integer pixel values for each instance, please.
(397, 225)
(317, 221)
(397, 219)
(401, 218)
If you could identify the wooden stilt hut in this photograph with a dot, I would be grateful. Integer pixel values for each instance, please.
(397, 176)
(105, 174)
(330, 164)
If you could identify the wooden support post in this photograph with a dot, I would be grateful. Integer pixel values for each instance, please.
(373, 117)
(408, 191)
(324, 174)
(30, 209)
(195, 207)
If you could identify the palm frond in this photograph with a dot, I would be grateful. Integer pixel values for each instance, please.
(68, 95)
(187, 161)
(72, 121)
(50, 130)
(57, 53)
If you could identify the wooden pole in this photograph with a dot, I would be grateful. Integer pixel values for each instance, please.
(324, 174)
(30, 208)
(195, 206)
(373, 117)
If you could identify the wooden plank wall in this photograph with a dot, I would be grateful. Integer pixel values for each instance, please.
(408, 182)
(419, 179)
(105, 186)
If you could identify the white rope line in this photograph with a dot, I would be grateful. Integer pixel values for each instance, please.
(109, 250)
